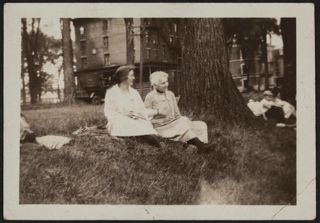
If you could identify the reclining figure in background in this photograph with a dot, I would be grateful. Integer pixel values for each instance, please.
(272, 107)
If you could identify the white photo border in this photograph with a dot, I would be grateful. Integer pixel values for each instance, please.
(305, 209)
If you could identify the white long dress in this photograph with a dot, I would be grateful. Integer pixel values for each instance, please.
(117, 105)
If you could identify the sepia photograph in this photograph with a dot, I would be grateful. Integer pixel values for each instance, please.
(149, 110)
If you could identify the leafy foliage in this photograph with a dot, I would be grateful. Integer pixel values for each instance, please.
(37, 49)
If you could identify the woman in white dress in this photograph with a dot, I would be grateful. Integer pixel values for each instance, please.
(168, 121)
(125, 110)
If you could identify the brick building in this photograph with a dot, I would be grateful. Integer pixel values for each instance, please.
(102, 45)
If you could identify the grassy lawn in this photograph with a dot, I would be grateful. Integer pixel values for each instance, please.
(102, 170)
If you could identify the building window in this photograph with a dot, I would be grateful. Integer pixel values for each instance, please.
(107, 59)
(83, 47)
(175, 27)
(81, 29)
(156, 53)
(148, 53)
(106, 42)
(164, 52)
(76, 81)
(147, 38)
(94, 51)
(155, 40)
(105, 25)
(147, 21)
(83, 62)
(170, 39)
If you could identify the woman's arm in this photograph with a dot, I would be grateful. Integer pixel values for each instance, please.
(148, 104)
(108, 105)
(111, 110)
(176, 108)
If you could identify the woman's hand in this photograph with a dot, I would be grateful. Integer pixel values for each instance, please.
(135, 115)
(131, 114)
(162, 111)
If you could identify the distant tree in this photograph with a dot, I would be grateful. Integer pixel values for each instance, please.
(37, 49)
(30, 48)
(49, 51)
(288, 31)
(69, 86)
(251, 34)
(205, 84)
(23, 72)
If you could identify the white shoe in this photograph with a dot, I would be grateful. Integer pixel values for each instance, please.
(281, 125)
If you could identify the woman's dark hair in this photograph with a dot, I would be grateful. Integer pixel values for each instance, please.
(275, 91)
(121, 74)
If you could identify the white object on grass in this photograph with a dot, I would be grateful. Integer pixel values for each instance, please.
(52, 141)
(281, 125)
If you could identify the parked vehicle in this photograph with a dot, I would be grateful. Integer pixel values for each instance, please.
(91, 86)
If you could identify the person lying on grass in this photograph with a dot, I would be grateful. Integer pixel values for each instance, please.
(166, 117)
(124, 109)
(272, 107)
(277, 109)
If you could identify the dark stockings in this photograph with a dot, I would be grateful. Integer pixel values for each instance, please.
(149, 139)
(275, 113)
(196, 142)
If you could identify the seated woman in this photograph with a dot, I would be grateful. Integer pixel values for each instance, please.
(167, 119)
(125, 111)
(275, 108)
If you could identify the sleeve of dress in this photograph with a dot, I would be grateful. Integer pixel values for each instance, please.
(142, 107)
(148, 105)
(176, 108)
(148, 101)
(110, 110)
(265, 104)
(279, 102)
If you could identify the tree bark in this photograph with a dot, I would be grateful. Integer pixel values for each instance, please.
(69, 87)
(130, 40)
(288, 29)
(205, 83)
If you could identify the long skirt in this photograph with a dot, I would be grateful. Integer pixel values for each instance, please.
(183, 130)
(124, 126)
(275, 113)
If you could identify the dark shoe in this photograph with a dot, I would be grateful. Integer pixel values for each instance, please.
(29, 137)
(207, 148)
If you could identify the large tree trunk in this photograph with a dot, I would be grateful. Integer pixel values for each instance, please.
(69, 88)
(288, 30)
(205, 83)
(130, 40)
